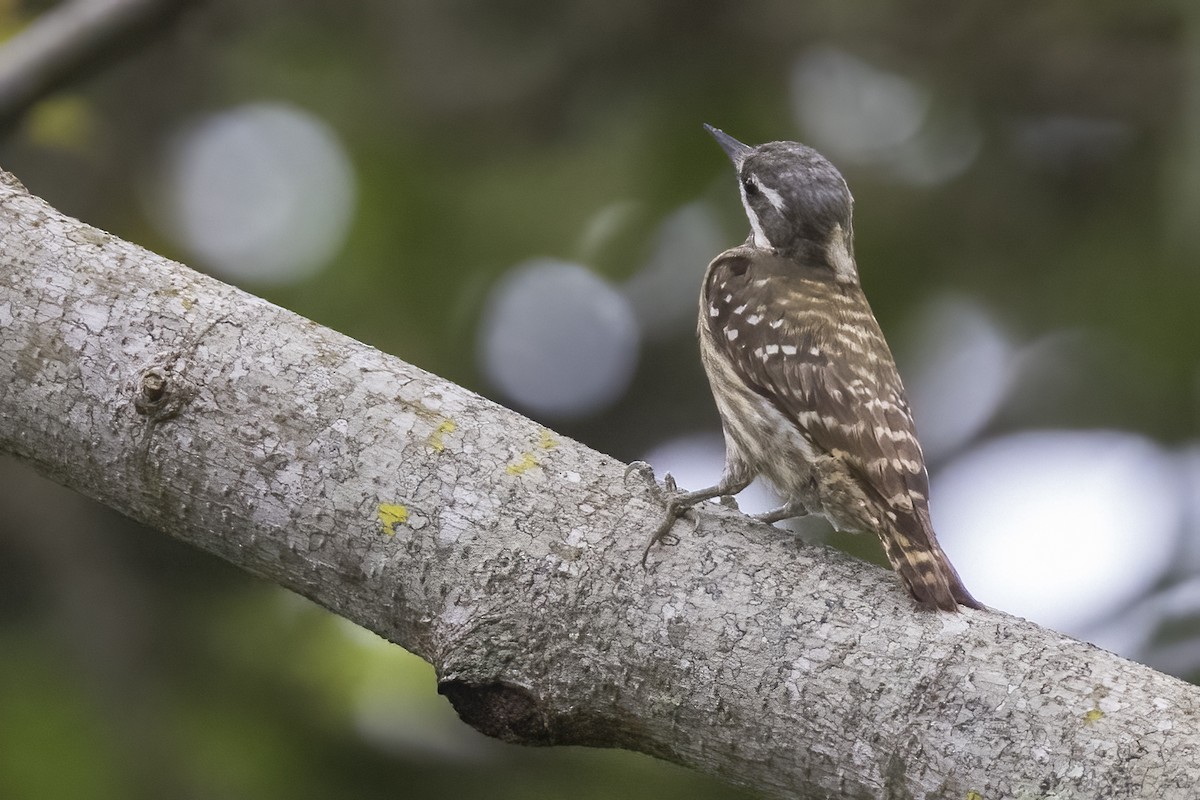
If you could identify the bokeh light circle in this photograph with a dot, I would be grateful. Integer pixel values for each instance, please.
(263, 192)
(558, 340)
(1060, 527)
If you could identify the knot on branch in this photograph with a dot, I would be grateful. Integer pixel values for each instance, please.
(501, 710)
(157, 396)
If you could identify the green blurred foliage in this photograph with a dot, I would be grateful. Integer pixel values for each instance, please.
(484, 134)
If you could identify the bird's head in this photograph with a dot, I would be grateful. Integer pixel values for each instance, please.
(797, 202)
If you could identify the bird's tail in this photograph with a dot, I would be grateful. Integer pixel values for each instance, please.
(926, 571)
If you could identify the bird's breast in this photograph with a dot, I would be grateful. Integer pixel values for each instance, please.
(757, 434)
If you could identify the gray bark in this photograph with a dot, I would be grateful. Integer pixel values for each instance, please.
(507, 555)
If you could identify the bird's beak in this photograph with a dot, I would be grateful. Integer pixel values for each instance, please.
(736, 151)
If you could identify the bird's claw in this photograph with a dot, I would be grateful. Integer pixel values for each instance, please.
(729, 501)
(646, 473)
(643, 471)
(663, 532)
(668, 494)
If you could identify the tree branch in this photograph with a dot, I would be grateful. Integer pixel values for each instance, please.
(507, 555)
(66, 41)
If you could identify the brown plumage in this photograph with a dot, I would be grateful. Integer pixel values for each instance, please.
(804, 381)
(819, 408)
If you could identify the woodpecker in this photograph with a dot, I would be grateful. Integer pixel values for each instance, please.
(805, 384)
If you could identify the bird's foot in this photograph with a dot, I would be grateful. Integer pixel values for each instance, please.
(677, 503)
(787, 511)
(646, 473)
(675, 509)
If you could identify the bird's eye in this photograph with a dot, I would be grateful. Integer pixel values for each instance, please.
(750, 186)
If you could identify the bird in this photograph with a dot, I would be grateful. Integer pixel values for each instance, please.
(807, 389)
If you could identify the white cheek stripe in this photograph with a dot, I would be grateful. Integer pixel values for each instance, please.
(756, 229)
(773, 197)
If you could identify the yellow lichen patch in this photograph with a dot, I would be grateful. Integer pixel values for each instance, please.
(547, 441)
(391, 515)
(974, 795)
(437, 439)
(522, 465)
(1095, 715)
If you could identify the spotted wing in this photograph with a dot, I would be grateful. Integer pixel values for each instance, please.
(811, 345)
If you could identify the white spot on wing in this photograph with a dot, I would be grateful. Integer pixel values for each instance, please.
(895, 435)
(878, 404)
(731, 333)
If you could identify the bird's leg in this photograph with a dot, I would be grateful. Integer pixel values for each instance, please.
(677, 506)
(789, 510)
(663, 494)
(680, 503)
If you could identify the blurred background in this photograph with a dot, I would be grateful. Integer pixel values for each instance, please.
(519, 197)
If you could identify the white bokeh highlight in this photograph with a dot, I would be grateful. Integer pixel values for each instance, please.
(855, 112)
(853, 109)
(663, 292)
(263, 192)
(945, 147)
(1189, 466)
(1136, 633)
(1064, 528)
(963, 367)
(558, 340)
